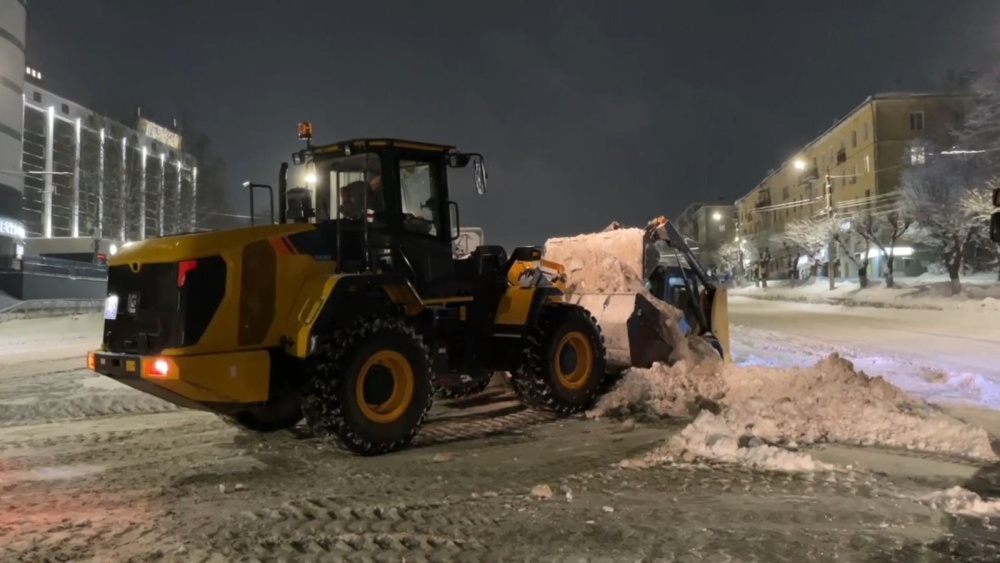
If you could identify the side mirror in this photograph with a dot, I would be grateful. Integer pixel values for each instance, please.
(456, 232)
(480, 176)
(995, 227)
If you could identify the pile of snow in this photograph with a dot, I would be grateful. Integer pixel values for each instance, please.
(957, 500)
(765, 414)
(609, 261)
(681, 390)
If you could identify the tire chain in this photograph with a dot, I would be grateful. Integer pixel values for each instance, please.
(525, 380)
(323, 414)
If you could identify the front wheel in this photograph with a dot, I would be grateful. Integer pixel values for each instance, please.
(371, 386)
(563, 365)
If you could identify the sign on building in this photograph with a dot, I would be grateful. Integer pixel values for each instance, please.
(159, 133)
(11, 228)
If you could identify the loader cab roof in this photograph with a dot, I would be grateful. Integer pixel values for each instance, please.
(350, 146)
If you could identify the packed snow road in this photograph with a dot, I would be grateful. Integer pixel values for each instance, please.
(92, 471)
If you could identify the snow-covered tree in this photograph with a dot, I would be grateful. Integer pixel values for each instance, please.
(881, 229)
(979, 206)
(728, 256)
(937, 196)
(810, 236)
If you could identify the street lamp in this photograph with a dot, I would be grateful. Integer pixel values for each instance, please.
(716, 216)
(270, 195)
(799, 164)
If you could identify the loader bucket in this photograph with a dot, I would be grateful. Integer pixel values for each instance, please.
(638, 330)
(719, 317)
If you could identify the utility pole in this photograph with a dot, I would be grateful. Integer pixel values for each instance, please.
(830, 268)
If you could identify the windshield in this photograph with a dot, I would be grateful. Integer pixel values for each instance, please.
(343, 187)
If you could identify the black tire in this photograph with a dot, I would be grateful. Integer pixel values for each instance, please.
(272, 418)
(547, 378)
(458, 388)
(385, 348)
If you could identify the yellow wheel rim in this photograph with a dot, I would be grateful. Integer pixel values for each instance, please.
(574, 360)
(384, 369)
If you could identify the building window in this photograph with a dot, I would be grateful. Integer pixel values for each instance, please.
(65, 108)
(854, 173)
(722, 227)
(868, 164)
(784, 193)
(854, 139)
(917, 121)
(917, 155)
(37, 96)
(865, 132)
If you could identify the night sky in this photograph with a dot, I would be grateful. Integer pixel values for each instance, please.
(587, 111)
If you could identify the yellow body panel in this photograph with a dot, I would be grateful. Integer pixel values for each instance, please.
(221, 335)
(515, 305)
(239, 377)
(198, 245)
(553, 271)
(303, 314)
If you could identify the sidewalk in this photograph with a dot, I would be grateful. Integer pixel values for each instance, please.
(980, 292)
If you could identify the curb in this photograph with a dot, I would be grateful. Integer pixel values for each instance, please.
(843, 301)
(44, 308)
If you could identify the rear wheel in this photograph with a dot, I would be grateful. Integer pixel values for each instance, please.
(371, 386)
(563, 366)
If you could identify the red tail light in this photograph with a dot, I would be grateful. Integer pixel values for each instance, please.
(182, 270)
(91, 361)
(156, 367)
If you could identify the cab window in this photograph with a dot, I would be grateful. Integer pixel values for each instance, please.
(419, 186)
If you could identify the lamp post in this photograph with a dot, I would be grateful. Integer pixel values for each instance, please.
(270, 194)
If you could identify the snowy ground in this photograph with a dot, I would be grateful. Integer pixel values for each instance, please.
(92, 471)
(980, 292)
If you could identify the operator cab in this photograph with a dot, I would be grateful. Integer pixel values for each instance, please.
(383, 205)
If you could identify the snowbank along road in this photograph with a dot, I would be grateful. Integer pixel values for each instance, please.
(940, 355)
(92, 471)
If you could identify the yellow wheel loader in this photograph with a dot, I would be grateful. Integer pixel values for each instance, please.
(348, 309)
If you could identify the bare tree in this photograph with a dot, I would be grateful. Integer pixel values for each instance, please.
(937, 194)
(882, 229)
(980, 130)
(848, 239)
(105, 185)
(810, 236)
